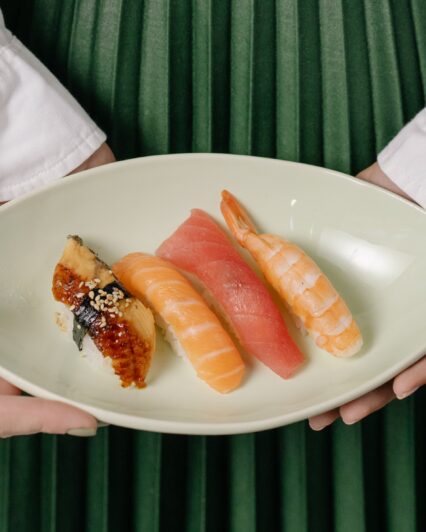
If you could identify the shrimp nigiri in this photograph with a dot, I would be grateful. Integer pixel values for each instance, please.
(299, 281)
(202, 249)
(193, 329)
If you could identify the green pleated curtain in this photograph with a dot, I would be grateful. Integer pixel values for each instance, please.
(325, 82)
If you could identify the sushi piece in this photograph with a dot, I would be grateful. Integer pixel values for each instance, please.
(121, 327)
(201, 248)
(298, 280)
(191, 327)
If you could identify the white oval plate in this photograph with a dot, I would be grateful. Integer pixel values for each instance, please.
(371, 244)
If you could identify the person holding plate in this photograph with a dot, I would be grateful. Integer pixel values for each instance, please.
(46, 135)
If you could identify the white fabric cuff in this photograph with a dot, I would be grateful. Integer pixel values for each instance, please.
(403, 160)
(44, 132)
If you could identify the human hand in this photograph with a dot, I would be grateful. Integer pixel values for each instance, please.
(375, 175)
(406, 383)
(103, 155)
(28, 415)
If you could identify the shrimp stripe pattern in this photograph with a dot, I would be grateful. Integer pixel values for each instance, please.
(298, 280)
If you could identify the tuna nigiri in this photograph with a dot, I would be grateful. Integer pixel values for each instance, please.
(201, 248)
(193, 329)
(299, 281)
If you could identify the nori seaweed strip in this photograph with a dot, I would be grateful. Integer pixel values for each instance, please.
(85, 314)
(78, 333)
(115, 284)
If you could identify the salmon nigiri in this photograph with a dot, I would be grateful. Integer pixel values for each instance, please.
(193, 329)
(201, 248)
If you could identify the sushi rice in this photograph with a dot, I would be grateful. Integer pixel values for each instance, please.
(64, 319)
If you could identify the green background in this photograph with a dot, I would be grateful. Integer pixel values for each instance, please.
(326, 82)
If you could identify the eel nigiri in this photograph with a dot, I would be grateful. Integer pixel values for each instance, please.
(201, 248)
(191, 327)
(298, 280)
(121, 327)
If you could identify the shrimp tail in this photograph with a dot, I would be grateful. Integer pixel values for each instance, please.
(237, 219)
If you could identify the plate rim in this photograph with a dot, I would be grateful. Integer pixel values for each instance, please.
(211, 428)
(64, 181)
(208, 428)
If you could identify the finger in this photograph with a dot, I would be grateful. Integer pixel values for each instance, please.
(29, 415)
(367, 404)
(8, 389)
(323, 420)
(410, 380)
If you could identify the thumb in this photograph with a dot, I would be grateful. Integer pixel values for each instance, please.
(29, 415)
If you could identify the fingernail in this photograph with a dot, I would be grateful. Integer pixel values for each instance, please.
(351, 421)
(406, 394)
(86, 432)
(102, 424)
(318, 427)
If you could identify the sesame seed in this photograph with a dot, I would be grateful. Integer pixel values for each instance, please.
(92, 303)
(81, 284)
(97, 298)
(112, 315)
(80, 294)
(120, 314)
(97, 280)
(91, 294)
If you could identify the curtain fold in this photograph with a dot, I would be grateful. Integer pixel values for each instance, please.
(325, 82)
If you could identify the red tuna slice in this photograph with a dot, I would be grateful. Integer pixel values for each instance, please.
(201, 248)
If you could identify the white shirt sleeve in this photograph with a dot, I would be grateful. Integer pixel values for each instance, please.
(403, 160)
(44, 132)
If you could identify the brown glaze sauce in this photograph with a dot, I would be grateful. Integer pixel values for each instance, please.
(117, 340)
